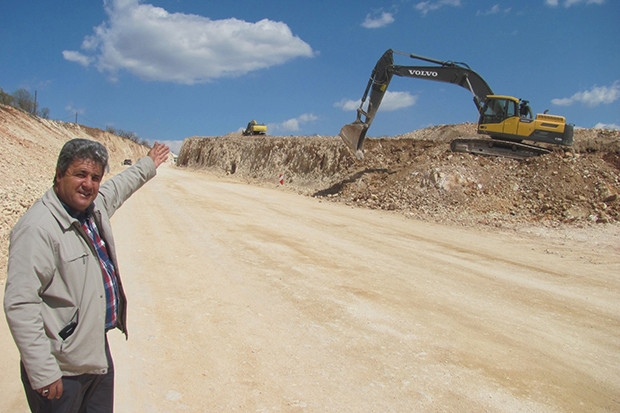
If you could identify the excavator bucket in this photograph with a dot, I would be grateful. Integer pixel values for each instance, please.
(353, 135)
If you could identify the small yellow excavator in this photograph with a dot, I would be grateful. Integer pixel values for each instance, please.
(505, 119)
(255, 128)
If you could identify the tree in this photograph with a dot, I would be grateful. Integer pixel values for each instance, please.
(5, 98)
(23, 100)
(132, 136)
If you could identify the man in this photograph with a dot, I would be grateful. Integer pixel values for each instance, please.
(524, 109)
(63, 289)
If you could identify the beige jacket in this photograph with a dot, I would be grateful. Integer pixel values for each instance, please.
(54, 278)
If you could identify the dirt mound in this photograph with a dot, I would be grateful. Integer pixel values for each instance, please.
(418, 175)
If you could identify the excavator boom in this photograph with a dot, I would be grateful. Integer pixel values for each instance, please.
(353, 134)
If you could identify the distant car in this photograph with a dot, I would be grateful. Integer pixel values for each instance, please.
(127, 162)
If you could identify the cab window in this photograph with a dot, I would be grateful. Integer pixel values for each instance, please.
(494, 111)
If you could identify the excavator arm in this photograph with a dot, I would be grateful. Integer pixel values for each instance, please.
(353, 134)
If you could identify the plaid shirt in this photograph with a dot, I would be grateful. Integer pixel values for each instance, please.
(107, 270)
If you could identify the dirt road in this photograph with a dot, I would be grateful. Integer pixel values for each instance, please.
(254, 299)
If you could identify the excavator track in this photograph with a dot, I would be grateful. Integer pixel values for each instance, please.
(493, 147)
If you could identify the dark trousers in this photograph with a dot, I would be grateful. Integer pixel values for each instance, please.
(87, 393)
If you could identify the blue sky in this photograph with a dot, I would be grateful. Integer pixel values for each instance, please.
(171, 69)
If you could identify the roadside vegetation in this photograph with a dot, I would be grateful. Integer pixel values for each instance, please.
(23, 100)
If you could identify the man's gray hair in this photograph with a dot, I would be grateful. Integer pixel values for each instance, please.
(81, 149)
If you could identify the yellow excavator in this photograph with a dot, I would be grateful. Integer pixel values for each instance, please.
(505, 119)
(255, 128)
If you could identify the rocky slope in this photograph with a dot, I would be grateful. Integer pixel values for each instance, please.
(418, 175)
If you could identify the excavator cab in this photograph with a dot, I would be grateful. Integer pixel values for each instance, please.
(497, 109)
(499, 116)
(502, 118)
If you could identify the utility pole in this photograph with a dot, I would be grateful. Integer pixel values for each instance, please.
(35, 103)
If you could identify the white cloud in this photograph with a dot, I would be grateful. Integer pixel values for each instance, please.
(294, 124)
(569, 3)
(76, 57)
(597, 95)
(153, 44)
(611, 126)
(426, 6)
(397, 100)
(347, 105)
(391, 101)
(376, 22)
(495, 9)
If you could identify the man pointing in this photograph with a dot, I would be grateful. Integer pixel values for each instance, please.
(63, 289)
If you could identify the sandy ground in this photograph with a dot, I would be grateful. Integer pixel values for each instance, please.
(254, 299)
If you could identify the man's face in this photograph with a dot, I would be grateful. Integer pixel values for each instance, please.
(79, 186)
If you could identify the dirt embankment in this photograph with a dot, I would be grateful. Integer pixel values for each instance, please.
(415, 173)
(30, 147)
(418, 175)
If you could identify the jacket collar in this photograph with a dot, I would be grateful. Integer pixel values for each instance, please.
(60, 211)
